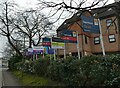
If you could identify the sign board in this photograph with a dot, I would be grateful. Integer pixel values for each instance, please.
(38, 49)
(89, 25)
(29, 53)
(30, 49)
(57, 39)
(68, 39)
(58, 45)
(46, 41)
(68, 32)
(51, 51)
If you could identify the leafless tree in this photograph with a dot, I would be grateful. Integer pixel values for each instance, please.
(33, 25)
(6, 25)
(60, 8)
(16, 26)
(10, 51)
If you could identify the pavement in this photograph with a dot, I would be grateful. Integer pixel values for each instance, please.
(1, 77)
(8, 79)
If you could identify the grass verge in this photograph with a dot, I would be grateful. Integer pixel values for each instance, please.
(33, 80)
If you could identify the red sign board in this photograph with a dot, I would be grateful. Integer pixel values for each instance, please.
(46, 43)
(69, 38)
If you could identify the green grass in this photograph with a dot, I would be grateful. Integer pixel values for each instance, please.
(33, 80)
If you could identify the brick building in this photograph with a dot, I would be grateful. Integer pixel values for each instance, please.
(89, 43)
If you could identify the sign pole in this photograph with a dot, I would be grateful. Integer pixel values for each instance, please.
(54, 50)
(64, 51)
(54, 55)
(50, 57)
(36, 57)
(78, 46)
(101, 38)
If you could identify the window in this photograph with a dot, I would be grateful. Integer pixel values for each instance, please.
(86, 40)
(97, 40)
(112, 38)
(109, 22)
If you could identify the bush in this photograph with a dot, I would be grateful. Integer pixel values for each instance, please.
(88, 71)
(112, 66)
(64, 70)
(40, 66)
(13, 60)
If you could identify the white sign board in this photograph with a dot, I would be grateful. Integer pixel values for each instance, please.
(30, 49)
(38, 48)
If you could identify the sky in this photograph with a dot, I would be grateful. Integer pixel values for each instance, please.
(31, 3)
(25, 4)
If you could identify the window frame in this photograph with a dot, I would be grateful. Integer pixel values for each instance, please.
(96, 42)
(109, 22)
(111, 38)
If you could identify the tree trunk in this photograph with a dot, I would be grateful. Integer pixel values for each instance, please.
(30, 42)
(17, 51)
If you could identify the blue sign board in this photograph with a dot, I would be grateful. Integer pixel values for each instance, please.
(46, 39)
(29, 53)
(89, 25)
(57, 39)
(68, 32)
(38, 51)
(51, 51)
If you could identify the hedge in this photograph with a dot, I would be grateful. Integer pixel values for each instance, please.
(88, 71)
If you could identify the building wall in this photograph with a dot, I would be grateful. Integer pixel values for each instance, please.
(90, 47)
(109, 47)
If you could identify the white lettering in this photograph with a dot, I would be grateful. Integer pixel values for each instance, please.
(87, 22)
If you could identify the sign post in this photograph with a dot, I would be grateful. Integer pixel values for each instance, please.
(58, 43)
(101, 38)
(78, 46)
(54, 55)
(64, 51)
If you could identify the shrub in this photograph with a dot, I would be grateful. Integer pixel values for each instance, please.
(40, 66)
(63, 70)
(13, 60)
(88, 71)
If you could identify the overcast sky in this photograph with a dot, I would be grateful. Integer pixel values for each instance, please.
(31, 3)
(25, 4)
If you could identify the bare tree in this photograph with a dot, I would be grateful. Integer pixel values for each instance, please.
(6, 25)
(9, 51)
(60, 8)
(16, 26)
(33, 25)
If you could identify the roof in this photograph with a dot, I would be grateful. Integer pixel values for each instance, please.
(69, 21)
(102, 12)
(107, 11)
